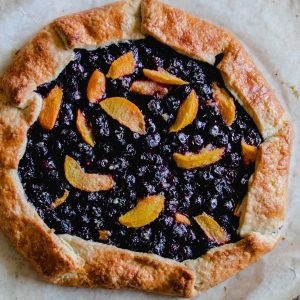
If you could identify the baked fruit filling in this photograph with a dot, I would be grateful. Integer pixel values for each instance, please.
(143, 148)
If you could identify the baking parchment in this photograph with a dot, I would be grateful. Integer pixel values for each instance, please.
(271, 32)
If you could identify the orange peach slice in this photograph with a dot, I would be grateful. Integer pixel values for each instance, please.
(84, 181)
(164, 77)
(211, 228)
(237, 209)
(187, 112)
(84, 129)
(204, 158)
(122, 66)
(51, 106)
(104, 235)
(180, 218)
(249, 153)
(225, 104)
(146, 211)
(125, 112)
(148, 88)
(96, 86)
(60, 200)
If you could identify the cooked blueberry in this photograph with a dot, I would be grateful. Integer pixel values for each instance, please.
(103, 163)
(101, 127)
(182, 138)
(197, 140)
(212, 204)
(119, 164)
(153, 140)
(119, 135)
(154, 107)
(130, 150)
(197, 203)
(228, 205)
(151, 127)
(106, 149)
(200, 124)
(41, 149)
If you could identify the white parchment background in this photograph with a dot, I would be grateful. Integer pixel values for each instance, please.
(271, 32)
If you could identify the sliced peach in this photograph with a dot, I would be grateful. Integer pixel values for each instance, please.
(249, 153)
(204, 158)
(146, 211)
(84, 181)
(104, 235)
(122, 66)
(84, 129)
(96, 86)
(187, 112)
(148, 88)
(237, 209)
(164, 77)
(60, 200)
(180, 218)
(211, 228)
(50, 110)
(125, 112)
(225, 104)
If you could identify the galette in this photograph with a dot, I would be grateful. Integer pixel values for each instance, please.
(140, 147)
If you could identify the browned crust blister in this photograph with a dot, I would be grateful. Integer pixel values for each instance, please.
(68, 260)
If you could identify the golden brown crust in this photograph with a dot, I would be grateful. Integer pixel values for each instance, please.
(264, 206)
(220, 263)
(248, 84)
(111, 267)
(183, 32)
(96, 26)
(69, 260)
(13, 130)
(28, 233)
(39, 61)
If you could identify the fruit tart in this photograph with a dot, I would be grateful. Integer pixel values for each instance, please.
(140, 147)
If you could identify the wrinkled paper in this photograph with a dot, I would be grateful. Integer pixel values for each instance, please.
(270, 30)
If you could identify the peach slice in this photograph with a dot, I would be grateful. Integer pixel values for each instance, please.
(204, 158)
(237, 209)
(146, 211)
(84, 129)
(187, 112)
(51, 106)
(211, 228)
(125, 112)
(124, 65)
(104, 235)
(96, 86)
(180, 218)
(148, 88)
(249, 153)
(60, 200)
(225, 104)
(84, 181)
(164, 77)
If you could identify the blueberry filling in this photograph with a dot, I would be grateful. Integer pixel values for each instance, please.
(140, 165)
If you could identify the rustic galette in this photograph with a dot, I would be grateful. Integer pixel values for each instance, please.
(140, 147)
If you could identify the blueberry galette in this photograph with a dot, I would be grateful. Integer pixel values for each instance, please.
(140, 147)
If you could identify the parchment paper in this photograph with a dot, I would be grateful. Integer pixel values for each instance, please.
(271, 32)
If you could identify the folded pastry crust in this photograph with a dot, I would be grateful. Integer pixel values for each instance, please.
(69, 260)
